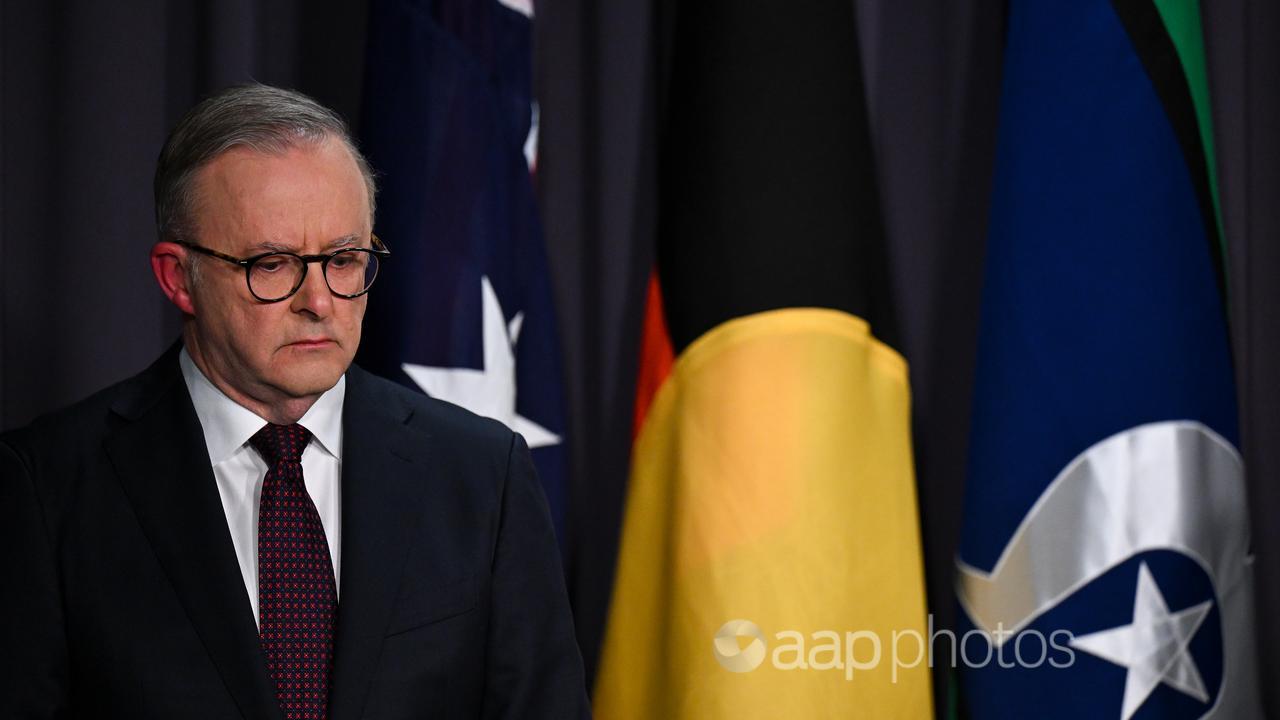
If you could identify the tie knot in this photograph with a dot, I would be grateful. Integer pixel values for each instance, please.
(281, 443)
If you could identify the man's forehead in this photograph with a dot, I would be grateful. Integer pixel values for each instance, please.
(229, 164)
(284, 200)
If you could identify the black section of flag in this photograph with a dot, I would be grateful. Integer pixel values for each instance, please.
(1146, 29)
(768, 195)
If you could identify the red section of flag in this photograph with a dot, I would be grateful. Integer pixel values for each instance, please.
(656, 354)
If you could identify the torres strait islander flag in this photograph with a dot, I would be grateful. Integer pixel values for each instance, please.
(771, 514)
(464, 309)
(1106, 545)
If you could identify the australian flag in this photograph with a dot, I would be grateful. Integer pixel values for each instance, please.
(463, 310)
(1104, 568)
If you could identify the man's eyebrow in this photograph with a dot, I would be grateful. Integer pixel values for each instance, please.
(268, 246)
(343, 241)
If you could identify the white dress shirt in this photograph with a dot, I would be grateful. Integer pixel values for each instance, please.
(239, 470)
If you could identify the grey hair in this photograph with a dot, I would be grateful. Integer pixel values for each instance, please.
(260, 117)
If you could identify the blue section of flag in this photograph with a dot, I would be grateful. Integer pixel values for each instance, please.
(1037, 674)
(1100, 313)
(447, 110)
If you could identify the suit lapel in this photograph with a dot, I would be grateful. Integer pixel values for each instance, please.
(160, 456)
(383, 496)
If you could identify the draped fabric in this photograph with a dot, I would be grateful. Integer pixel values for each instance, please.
(89, 91)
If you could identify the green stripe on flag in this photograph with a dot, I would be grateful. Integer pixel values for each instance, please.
(1182, 22)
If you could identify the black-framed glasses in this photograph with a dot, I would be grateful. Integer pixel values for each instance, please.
(276, 276)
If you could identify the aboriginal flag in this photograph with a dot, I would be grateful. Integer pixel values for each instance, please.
(771, 514)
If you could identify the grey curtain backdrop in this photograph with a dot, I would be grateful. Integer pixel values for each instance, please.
(89, 90)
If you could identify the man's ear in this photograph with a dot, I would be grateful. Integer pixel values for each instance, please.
(171, 264)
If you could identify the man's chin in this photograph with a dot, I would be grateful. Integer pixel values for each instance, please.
(303, 376)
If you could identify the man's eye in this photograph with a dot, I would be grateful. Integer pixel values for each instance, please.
(269, 265)
(342, 261)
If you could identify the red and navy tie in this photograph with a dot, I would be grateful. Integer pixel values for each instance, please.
(297, 595)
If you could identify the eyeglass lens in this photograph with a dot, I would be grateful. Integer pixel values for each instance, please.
(348, 272)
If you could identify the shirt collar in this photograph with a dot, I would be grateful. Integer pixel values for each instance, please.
(228, 425)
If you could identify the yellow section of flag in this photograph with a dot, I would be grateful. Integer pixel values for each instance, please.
(771, 532)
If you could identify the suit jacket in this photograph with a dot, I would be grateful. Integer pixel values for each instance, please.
(120, 595)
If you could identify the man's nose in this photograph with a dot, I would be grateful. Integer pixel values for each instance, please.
(314, 296)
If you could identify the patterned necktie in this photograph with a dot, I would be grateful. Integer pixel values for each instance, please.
(297, 595)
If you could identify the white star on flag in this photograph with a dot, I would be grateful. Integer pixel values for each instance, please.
(1153, 647)
(491, 391)
(524, 7)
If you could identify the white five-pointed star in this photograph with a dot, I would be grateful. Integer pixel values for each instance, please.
(492, 391)
(1153, 647)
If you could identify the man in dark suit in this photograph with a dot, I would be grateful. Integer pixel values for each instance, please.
(253, 527)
